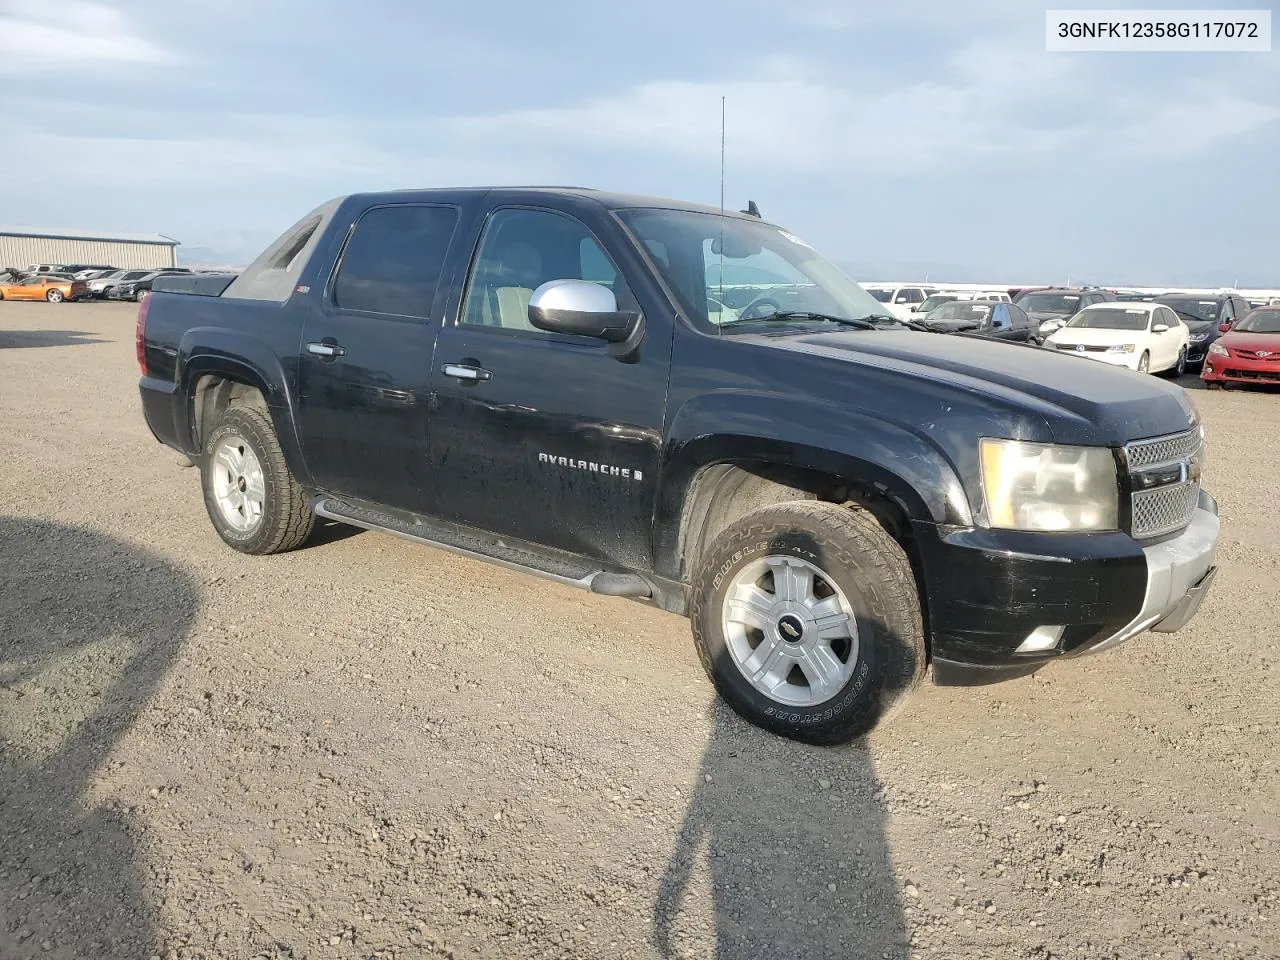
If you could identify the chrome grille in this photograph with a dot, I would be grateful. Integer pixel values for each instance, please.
(1164, 510)
(1147, 453)
(1157, 510)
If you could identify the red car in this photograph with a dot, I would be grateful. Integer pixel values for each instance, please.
(1247, 352)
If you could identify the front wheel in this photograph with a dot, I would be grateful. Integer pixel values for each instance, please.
(1180, 365)
(253, 500)
(806, 618)
(54, 296)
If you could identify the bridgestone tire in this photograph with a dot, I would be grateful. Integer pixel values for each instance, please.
(855, 553)
(287, 520)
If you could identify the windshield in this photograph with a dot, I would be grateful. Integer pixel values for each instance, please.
(1110, 318)
(976, 312)
(884, 296)
(937, 300)
(723, 269)
(1063, 303)
(1260, 321)
(1200, 309)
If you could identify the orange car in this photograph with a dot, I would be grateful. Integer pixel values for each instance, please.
(53, 289)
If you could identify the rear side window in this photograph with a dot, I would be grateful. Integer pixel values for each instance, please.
(392, 261)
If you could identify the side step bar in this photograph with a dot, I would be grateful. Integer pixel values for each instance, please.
(570, 571)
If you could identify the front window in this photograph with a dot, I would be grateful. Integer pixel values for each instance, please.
(1110, 318)
(1260, 321)
(932, 303)
(723, 269)
(521, 249)
(1193, 308)
(963, 310)
(1064, 304)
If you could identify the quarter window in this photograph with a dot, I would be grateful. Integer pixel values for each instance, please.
(520, 251)
(393, 260)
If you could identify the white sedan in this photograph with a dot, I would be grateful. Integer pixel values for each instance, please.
(1146, 337)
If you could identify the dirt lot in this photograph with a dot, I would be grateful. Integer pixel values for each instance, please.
(372, 749)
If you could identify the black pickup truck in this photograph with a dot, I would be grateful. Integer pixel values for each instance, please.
(554, 379)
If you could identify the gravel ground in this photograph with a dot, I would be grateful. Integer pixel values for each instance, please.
(368, 748)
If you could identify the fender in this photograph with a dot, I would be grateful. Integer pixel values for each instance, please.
(238, 356)
(871, 453)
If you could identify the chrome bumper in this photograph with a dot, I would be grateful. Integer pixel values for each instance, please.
(1179, 572)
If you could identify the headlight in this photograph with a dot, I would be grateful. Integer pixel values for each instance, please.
(1042, 486)
(1121, 348)
(1219, 349)
(1199, 337)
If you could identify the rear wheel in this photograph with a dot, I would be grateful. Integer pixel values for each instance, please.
(54, 296)
(806, 618)
(253, 500)
(1144, 363)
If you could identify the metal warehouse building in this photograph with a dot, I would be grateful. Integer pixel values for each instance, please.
(21, 247)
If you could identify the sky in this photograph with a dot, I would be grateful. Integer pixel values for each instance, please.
(925, 137)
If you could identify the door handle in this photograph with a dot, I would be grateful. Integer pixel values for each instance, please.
(463, 371)
(326, 350)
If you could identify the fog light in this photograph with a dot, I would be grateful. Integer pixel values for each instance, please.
(1041, 639)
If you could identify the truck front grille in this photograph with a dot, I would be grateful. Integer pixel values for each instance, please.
(1164, 477)
(1164, 510)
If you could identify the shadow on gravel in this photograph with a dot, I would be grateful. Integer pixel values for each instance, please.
(17, 339)
(797, 857)
(88, 628)
(330, 531)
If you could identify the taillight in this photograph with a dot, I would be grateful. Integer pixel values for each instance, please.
(140, 334)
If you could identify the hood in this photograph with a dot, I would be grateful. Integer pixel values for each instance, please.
(1080, 400)
(1094, 336)
(952, 326)
(1252, 342)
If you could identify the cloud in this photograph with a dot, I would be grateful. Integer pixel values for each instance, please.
(987, 103)
(45, 35)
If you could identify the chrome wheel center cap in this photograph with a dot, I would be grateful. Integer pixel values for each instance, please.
(790, 628)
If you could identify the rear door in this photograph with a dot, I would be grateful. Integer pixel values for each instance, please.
(364, 372)
(1021, 325)
(542, 436)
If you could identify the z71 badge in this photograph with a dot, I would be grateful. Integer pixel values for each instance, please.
(591, 466)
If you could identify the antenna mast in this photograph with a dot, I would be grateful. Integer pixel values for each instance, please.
(720, 297)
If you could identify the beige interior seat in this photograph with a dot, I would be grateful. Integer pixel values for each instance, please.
(507, 301)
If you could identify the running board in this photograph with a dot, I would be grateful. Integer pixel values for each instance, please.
(560, 567)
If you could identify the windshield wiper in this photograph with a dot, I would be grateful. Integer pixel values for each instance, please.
(914, 324)
(858, 323)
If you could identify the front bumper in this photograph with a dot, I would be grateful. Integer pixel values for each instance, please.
(1127, 360)
(1240, 369)
(989, 591)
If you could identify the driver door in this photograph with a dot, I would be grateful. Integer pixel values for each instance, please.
(543, 436)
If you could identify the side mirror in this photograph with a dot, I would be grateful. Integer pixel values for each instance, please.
(1160, 328)
(1224, 327)
(580, 308)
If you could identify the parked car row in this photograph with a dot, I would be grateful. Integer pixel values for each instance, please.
(1223, 336)
(58, 283)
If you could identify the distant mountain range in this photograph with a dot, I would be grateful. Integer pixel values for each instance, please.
(925, 272)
